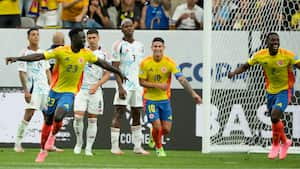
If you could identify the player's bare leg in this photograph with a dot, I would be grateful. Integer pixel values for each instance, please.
(136, 130)
(115, 129)
(277, 129)
(20, 132)
(157, 136)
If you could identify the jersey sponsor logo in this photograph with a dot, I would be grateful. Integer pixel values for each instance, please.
(67, 59)
(280, 62)
(164, 69)
(279, 104)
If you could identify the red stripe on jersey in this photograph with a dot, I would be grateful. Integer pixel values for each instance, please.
(54, 76)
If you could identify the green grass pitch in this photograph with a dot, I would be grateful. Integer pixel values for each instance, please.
(175, 159)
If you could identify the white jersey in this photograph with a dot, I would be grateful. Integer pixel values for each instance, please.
(37, 81)
(129, 55)
(93, 73)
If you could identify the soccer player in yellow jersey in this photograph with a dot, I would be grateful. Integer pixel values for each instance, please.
(66, 81)
(277, 64)
(155, 76)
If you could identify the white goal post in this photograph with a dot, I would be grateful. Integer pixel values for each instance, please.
(234, 114)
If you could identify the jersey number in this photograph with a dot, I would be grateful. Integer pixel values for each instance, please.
(50, 101)
(72, 68)
(151, 108)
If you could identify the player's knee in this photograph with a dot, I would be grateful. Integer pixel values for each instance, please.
(274, 119)
(49, 120)
(165, 131)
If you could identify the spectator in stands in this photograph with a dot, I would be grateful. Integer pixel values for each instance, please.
(188, 16)
(73, 12)
(295, 22)
(24, 6)
(46, 12)
(128, 9)
(224, 15)
(156, 15)
(98, 15)
(9, 14)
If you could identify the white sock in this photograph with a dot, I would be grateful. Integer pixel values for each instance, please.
(78, 129)
(91, 133)
(137, 136)
(114, 134)
(20, 132)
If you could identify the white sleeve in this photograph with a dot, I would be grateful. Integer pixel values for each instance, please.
(22, 66)
(116, 52)
(177, 14)
(47, 64)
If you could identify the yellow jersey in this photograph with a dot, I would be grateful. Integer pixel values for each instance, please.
(158, 72)
(9, 7)
(68, 69)
(69, 14)
(278, 69)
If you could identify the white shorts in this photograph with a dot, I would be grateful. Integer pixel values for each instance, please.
(92, 103)
(37, 102)
(48, 18)
(134, 98)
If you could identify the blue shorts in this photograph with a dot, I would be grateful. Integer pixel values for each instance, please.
(59, 100)
(158, 110)
(279, 101)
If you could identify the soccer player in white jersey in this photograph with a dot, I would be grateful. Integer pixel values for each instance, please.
(127, 55)
(35, 78)
(90, 97)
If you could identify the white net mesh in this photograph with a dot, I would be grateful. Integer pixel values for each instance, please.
(239, 116)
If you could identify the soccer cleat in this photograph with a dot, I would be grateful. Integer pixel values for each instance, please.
(77, 149)
(117, 151)
(284, 149)
(160, 152)
(50, 142)
(55, 149)
(88, 153)
(151, 142)
(140, 151)
(41, 156)
(18, 148)
(274, 152)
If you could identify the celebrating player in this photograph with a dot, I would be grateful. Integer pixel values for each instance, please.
(155, 77)
(67, 75)
(279, 78)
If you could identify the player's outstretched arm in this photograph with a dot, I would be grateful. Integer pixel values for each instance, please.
(297, 65)
(187, 87)
(239, 70)
(107, 66)
(27, 58)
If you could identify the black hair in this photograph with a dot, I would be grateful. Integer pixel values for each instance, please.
(74, 31)
(270, 34)
(32, 29)
(158, 39)
(92, 31)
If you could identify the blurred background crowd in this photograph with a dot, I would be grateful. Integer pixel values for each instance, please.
(151, 14)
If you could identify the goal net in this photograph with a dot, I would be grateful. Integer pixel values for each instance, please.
(239, 120)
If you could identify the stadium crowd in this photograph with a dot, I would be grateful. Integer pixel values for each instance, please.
(146, 14)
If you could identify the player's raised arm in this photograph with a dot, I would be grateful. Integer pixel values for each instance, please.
(27, 58)
(239, 70)
(107, 66)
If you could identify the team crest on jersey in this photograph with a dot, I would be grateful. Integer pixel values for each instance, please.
(280, 62)
(164, 69)
(151, 116)
(81, 60)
